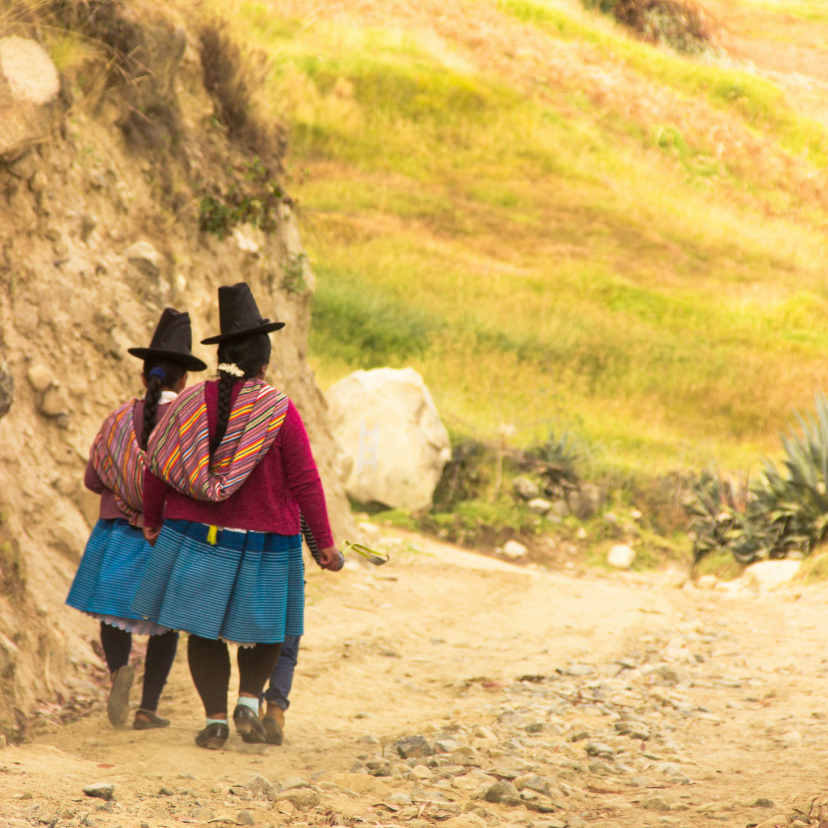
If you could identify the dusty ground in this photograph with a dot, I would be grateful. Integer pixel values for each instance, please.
(432, 644)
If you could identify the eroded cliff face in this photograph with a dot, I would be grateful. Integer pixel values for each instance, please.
(99, 231)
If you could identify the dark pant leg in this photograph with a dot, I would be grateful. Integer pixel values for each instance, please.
(117, 645)
(160, 656)
(255, 666)
(210, 668)
(281, 679)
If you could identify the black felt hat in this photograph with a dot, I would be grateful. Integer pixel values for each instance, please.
(239, 315)
(172, 341)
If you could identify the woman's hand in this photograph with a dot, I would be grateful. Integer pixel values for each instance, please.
(151, 534)
(329, 558)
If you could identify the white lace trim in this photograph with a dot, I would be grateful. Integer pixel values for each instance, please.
(131, 625)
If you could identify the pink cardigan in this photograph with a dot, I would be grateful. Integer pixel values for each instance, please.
(284, 482)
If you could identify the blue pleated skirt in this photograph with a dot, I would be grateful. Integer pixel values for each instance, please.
(109, 573)
(247, 588)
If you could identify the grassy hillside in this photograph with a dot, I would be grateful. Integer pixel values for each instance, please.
(558, 225)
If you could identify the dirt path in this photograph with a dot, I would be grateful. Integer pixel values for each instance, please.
(433, 645)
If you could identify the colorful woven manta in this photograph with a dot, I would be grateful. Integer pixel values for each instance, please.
(119, 461)
(179, 449)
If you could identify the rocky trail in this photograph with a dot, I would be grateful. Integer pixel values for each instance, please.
(449, 688)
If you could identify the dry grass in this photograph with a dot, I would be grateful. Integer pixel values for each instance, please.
(231, 77)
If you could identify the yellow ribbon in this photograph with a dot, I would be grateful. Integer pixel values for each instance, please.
(212, 535)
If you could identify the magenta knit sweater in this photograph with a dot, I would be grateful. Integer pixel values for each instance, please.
(284, 482)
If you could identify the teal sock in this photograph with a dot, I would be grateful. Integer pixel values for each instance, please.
(253, 704)
(216, 721)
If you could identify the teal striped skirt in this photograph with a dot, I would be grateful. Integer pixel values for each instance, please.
(108, 575)
(247, 588)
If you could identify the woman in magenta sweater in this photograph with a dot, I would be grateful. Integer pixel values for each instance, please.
(115, 556)
(229, 471)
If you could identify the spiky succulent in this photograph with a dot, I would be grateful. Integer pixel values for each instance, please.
(785, 509)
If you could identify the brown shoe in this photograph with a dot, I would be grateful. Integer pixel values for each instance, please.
(274, 724)
(117, 707)
(149, 721)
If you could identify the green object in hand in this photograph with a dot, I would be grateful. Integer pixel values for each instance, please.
(376, 558)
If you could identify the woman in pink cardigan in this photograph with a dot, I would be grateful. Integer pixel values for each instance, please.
(230, 469)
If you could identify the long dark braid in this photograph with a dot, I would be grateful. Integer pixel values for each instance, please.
(159, 375)
(248, 354)
(225, 396)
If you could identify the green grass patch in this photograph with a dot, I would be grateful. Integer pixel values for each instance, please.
(365, 328)
(721, 564)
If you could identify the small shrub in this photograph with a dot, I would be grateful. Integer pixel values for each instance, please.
(293, 280)
(558, 457)
(466, 475)
(785, 510)
(253, 198)
(229, 77)
(681, 24)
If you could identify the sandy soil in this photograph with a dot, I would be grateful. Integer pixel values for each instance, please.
(435, 641)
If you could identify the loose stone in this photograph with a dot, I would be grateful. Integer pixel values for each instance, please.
(599, 749)
(102, 790)
(656, 803)
(414, 746)
(525, 488)
(301, 798)
(504, 792)
(514, 549)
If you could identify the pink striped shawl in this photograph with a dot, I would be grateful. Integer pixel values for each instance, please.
(119, 461)
(179, 449)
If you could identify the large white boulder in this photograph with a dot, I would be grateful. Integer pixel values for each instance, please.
(29, 86)
(388, 425)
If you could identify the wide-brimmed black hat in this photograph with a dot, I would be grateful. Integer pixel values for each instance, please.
(172, 341)
(239, 315)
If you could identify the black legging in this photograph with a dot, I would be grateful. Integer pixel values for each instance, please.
(210, 668)
(117, 645)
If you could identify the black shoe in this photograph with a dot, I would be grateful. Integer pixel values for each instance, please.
(249, 725)
(275, 736)
(213, 736)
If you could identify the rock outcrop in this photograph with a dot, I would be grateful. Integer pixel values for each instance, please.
(98, 233)
(29, 87)
(388, 426)
(6, 389)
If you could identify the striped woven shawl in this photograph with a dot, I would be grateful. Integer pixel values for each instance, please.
(119, 461)
(179, 449)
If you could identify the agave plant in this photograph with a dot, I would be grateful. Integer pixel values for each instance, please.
(796, 495)
(717, 508)
(560, 456)
(784, 511)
